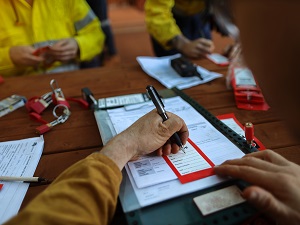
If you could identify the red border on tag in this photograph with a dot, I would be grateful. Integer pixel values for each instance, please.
(1, 186)
(195, 175)
(232, 116)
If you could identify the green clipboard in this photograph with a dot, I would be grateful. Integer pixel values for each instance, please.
(181, 210)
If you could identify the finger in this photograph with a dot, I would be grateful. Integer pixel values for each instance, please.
(59, 44)
(252, 175)
(270, 156)
(159, 152)
(266, 202)
(203, 49)
(174, 148)
(166, 149)
(34, 60)
(62, 53)
(255, 163)
(205, 42)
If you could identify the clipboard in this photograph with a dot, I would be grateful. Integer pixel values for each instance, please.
(180, 210)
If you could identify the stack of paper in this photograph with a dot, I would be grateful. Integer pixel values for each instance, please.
(18, 159)
(152, 179)
(160, 69)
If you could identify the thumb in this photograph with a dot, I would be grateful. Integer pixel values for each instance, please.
(266, 202)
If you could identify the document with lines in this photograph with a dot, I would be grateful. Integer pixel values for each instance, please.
(156, 182)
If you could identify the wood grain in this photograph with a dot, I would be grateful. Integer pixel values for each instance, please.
(72, 141)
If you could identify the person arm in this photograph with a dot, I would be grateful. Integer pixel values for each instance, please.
(163, 28)
(18, 56)
(87, 192)
(89, 39)
(274, 183)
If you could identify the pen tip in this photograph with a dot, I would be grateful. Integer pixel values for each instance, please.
(182, 148)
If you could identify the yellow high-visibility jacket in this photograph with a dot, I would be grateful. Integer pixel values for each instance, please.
(86, 194)
(46, 22)
(159, 17)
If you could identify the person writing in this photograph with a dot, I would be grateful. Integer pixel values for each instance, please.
(47, 36)
(178, 26)
(86, 193)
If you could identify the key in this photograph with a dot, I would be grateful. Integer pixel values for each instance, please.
(47, 127)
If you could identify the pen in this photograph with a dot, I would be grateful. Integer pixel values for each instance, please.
(249, 134)
(23, 179)
(162, 112)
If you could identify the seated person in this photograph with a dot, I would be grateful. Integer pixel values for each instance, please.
(87, 192)
(178, 26)
(69, 28)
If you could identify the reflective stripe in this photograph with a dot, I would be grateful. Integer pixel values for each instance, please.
(44, 43)
(105, 23)
(85, 21)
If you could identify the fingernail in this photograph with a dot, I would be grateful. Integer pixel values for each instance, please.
(253, 195)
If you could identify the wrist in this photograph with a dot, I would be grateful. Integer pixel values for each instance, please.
(120, 149)
(179, 42)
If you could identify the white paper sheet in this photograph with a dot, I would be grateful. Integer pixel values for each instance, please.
(189, 162)
(234, 126)
(149, 170)
(17, 158)
(160, 69)
(211, 142)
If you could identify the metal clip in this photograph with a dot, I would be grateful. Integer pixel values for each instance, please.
(58, 96)
(60, 119)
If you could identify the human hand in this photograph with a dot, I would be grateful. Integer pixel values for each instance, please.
(275, 184)
(145, 136)
(194, 49)
(23, 56)
(64, 50)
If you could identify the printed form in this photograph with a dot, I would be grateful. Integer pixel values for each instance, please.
(17, 158)
(160, 69)
(206, 137)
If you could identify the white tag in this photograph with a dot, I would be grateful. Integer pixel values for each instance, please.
(218, 200)
(120, 100)
(244, 77)
(218, 59)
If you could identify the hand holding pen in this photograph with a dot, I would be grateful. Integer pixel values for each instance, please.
(162, 112)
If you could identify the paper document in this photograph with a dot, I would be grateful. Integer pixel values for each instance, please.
(191, 165)
(206, 137)
(150, 170)
(160, 69)
(17, 158)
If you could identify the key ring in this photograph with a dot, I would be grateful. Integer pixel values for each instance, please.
(65, 111)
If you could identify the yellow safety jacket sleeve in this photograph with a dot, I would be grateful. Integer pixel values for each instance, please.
(45, 23)
(86, 193)
(90, 37)
(160, 21)
(5, 61)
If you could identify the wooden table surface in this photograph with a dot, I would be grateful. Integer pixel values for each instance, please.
(67, 143)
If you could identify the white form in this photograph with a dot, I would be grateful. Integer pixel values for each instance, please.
(212, 143)
(146, 171)
(17, 158)
(160, 69)
(189, 162)
(234, 126)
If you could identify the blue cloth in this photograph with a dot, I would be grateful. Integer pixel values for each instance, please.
(191, 27)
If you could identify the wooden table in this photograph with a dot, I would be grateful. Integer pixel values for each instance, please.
(79, 136)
